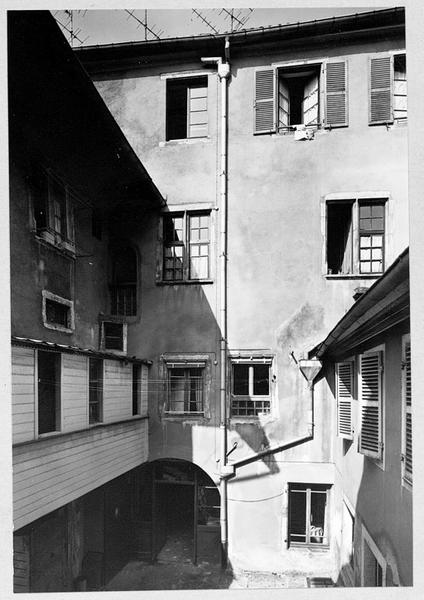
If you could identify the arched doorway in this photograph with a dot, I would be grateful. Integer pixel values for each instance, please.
(179, 506)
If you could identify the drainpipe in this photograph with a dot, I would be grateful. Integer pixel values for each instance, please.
(224, 75)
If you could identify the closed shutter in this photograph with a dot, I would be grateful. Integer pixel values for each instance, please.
(264, 106)
(370, 442)
(336, 113)
(344, 394)
(380, 88)
(407, 413)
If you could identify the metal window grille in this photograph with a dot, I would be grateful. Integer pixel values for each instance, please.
(185, 390)
(113, 336)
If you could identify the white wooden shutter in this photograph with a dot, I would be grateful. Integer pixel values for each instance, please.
(407, 412)
(310, 102)
(264, 105)
(344, 395)
(370, 438)
(381, 90)
(336, 113)
(283, 104)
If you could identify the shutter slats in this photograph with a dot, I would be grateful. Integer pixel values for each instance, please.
(407, 433)
(370, 434)
(344, 394)
(264, 101)
(381, 94)
(336, 94)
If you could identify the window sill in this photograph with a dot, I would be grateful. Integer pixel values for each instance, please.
(64, 248)
(253, 419)
(187, 282)
(185, 141)
(184, 415)
(58, 328)
(354, 276)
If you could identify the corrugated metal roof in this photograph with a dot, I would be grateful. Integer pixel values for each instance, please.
(24, 341)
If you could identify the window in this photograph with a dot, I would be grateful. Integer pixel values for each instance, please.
(53, 204)
(186, 108)
(251, 392)
(371, 392)
(124, 282)
(95, 391)
(185, 387)
(57, 312)
(49, 382)
(373, 572)
(344, 396)
(186, 246)
(290, 96)
(388, 91)
(308, 515)
(114, 336)
(406, 411)
(355, 237)
(136, 389)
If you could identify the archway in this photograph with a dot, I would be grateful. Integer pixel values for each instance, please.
(183, 504)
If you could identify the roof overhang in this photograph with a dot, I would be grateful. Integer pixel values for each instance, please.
(372, 26)
(57, 116)
(383, 306)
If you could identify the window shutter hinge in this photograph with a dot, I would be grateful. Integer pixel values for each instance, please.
(403, 365)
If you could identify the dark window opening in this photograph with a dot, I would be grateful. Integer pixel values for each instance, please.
(185, 390)
(95, 390)
(113, 336)
(124, 282)
(339, 238)
(96, 225)
(136, 389)
(308, 523)
(186, 108)
(400, 106)
(57, 313)
(240, 380)
(48, 391)
(40, 201)
(298, 97)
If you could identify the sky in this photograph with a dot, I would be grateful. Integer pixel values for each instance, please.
(113, 26)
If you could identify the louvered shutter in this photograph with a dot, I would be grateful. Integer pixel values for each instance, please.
(344, 394)
(264, 106)
(370, 442)
(283, 104)
(407, 412)
(380, 88)
(310, 102)
(336, 113)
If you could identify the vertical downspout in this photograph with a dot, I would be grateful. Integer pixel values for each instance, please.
(224, 74)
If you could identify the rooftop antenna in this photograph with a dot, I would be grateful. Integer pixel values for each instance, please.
(147, 29)
(200, 16)
(238, 18)
(68, 26)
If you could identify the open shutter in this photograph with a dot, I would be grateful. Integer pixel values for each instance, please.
(407, 412)
(380, 88)
(344, 394)
(283, 104)
(264, 106)
(370, 442)
(310, 102)
(336, 114)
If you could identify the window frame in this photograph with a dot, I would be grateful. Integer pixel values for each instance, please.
(124, 326)
(49, 232)
(184, 367)
(392, 119)
(188, 77)
(49, 296)
(117, 286)
(251, 397)
(99, 402)
(310, 488)
(186, 212)
(356, 200)
(345, 398)
(407, 477)
(58, 396)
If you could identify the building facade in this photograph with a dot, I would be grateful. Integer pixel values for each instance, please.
(282, 154)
